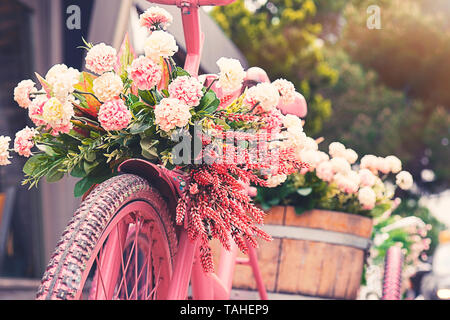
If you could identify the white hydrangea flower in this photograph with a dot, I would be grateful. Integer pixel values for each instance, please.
(404, 180)
(275, 180)
(395, 164)
(265, 94)
(336, 149)
(367, 198)
(370, 162)
(292, 121)
(108, 86)
(231, 75)
(340, 165)
(350, 155)
(310, 144)
(286, 90)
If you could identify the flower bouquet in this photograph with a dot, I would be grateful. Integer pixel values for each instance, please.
(335, 181)
(88, 123)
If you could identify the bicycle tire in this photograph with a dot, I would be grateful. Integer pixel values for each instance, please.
(114, 203)
(392, 279)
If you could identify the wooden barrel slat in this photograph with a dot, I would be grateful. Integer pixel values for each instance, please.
(306, 267)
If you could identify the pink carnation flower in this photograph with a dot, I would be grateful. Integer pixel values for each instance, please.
(35, 109)
(171, 113)
(186, 89)
(114, 115)
(101, 58)
(22, 93)
(145, 73)
(24, 141)
(155, 16)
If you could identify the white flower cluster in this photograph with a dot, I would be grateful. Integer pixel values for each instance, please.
(4, 150)
(231, 75)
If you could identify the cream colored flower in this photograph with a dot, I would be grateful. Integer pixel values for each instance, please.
(367, 198)
(350, 155)
(108, 86)
(231, 75)
(394, 163)
(336, 149)
(4, 150)
(62, 80)
(276, 180)
(404, 180)
(58, 115)
(292, 121)
(264, 94)
(286, 90)
(370, 162)
(160, 44)
(340, 165)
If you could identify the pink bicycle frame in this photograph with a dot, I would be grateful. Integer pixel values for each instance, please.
(204, 286)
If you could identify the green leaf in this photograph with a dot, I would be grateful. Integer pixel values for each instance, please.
(90, 156)
(89, 166)
(34, 163)
(304, 191)
(47, 149)
(149, 150)
(100, 174)
(54, 174)
(78, 171)
(147, 97)
(209, 102)
(380, 209)
(178, 72)
(139, 127)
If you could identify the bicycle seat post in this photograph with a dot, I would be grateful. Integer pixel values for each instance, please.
(193, 35)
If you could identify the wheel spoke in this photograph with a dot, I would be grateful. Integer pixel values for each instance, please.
(124, 271)
(99, 269)
(149, 258)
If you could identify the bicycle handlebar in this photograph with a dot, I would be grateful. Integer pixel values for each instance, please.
(193, 3)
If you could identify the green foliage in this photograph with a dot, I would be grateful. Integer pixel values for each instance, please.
(282, 38)
(402, 92)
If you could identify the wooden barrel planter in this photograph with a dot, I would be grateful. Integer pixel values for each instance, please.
(317, 254)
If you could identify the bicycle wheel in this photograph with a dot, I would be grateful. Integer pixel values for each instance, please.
(392, 280)
(120, 244)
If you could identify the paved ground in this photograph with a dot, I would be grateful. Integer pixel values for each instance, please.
(25, 289)
(18, 289)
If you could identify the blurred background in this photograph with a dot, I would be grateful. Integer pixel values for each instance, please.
(375, 75)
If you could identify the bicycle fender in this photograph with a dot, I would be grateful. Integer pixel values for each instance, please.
(169, 183)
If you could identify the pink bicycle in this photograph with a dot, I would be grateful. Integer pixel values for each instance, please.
(122, 243)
